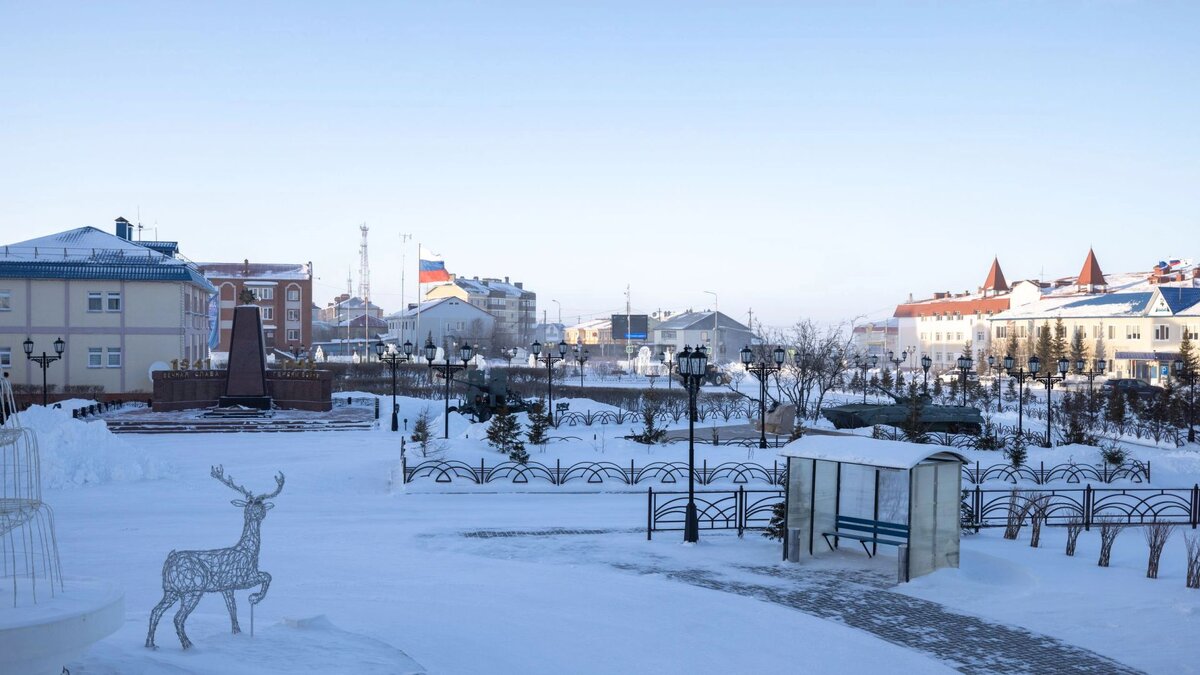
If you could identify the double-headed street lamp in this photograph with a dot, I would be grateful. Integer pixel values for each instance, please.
(1035, 366)
(388, 354)
(667, 358)
(581, 358)
(44, 360)
(692, 367)
(1020, 374)
(1098, 368)
(448, 369)
(991, 361)
(964, 367)
(549, 359)
(762, 370)
(863, 366)
(1186, 372)
(926, 362)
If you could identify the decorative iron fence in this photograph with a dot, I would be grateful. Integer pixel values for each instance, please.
(1135, 506)
(739, 509)
(662, 473)
(1135, 471)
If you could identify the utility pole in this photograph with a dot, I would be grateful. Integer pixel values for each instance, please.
(404, 239)
(364, 290)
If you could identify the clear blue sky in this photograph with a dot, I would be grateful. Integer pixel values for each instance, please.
(802, 159)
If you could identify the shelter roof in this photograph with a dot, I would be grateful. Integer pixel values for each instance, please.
(867, 451)
(700, 321)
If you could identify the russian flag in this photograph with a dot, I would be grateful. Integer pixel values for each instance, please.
(433, 268)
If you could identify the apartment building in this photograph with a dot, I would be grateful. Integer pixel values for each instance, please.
(514, 308)
(282, 291)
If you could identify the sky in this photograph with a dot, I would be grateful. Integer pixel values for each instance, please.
(797, 159)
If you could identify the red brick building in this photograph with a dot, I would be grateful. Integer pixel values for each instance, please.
(283, 293)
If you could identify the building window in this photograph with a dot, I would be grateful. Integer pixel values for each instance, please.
(1001, 331)
(1133, 332)
(293, 335)
(95, 302)
(5, 357)
(293, 295)
(1162, 332)
(293, 315)
(95, 357)
(1192, 332)
(5, 301)
(114, 357)
(958, 336)
(263, 293)
(114, 302)
(1112, 332)
(268, 313)
(937, 337)
(979, 336)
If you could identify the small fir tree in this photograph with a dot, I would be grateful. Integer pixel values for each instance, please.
(1115, 413)
(885, 380)
(777, 527)
(651, 433)
(1079, 350)
(1017, 452)
(420, 432)
(1058, 341)
(539, 422)
(504, 434)
(1044, 349)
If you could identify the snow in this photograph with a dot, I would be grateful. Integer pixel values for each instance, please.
(863, 450)
(374, 576)
(75, 453)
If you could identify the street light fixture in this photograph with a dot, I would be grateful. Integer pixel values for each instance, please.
(897, 361)
(864, 365)
(1020, 374)
(964, 366)
(1035, 366)
(549, 359)
(388, 354)
(1098, 368)
(667, 358)
(926, 362)
(465, 352)
(762, 370)
(1185, 371)
(692, 366)
(44, 360)
(581, 358)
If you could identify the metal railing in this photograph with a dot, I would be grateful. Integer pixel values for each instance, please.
(1135, 471)
(739, 509)
(557, 474)
(1133, 506)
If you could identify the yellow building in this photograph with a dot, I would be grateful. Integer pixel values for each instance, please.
(120, 306)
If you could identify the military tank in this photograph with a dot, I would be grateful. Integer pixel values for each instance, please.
(487, 392)
(955, 419)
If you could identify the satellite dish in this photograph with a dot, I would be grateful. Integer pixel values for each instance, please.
(157, 365)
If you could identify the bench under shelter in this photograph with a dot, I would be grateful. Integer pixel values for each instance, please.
(870, 493)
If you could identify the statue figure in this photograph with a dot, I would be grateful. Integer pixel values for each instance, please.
(188, 575)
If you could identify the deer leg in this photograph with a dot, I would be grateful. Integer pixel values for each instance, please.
(168, 599)
(231, 605)
(186, 605)
(265, 580)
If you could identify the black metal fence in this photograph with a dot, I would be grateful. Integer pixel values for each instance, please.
(738, 473)
(662, 473)
(739, 509)
(1134, 506)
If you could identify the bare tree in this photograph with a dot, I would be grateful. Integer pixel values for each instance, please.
(1192, 544)
(1157, 535)
(1019, 504)
(1074, 527)
(1110, 528)
(1039, 505)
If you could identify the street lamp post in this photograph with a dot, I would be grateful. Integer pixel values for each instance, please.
(448, 369)
(1035, 365)
(991, 361)
(926, 362)
(393, 358)
(508, 355)
(964, 367)
(549, 359)
(1098, 368)
(1020, 374)
(863, 366)
(666, 357)
(897, 361)
(44, 361)
(762, 370)
(581, 358)
(1185, 371)
(692, 366)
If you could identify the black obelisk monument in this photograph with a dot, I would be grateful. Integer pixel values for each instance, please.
(246, 378)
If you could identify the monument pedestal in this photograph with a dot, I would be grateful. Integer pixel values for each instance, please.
(246, 383)
(255, 402)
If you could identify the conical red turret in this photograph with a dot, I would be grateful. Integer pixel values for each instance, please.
(995, 279)
(1091, 276)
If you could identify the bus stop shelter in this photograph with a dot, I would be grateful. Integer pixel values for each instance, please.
(860, 490)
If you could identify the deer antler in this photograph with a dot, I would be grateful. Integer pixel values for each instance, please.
(278, 488)
(218, 472)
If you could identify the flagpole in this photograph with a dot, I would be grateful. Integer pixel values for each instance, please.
(417, 333)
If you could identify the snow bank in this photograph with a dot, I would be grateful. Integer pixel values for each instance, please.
(75, 452)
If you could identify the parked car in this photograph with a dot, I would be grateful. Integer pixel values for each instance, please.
(956, 376)
(1131, 387)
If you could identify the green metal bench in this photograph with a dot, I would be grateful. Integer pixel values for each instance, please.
(866, 531)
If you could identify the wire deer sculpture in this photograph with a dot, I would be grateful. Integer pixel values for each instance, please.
(188, 575)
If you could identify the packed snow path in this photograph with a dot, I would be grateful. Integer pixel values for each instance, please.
(861, 599)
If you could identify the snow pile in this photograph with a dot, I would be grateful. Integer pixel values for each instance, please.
(74, 452)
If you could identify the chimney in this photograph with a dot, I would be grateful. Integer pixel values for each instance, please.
(520, 285)
(506, 280)
(124, 229)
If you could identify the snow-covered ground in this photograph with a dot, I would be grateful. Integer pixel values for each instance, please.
(371, 577)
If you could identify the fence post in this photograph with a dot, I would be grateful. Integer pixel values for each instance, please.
(1087, 507)
(481, 471)
(978, 508)
(1195, 504)
(704, 476)
(1147, 471)
(632, 480)
(740, 510)
(649, 511)
(403, 465)
(558, 471)
(376, 408)
(1041, 473)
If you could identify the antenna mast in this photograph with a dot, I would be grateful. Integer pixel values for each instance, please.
(364, 291)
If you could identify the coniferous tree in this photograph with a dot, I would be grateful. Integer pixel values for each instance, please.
(504, 434)
(885, 380)
(1014, 348)
(776, 527)
(1058, 341)
(538, 424)
(937, 389)
(420, 433)
(1115, 413)
(1044, 349)
(1079, 350)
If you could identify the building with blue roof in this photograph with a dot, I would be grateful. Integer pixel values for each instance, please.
(121, 307)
